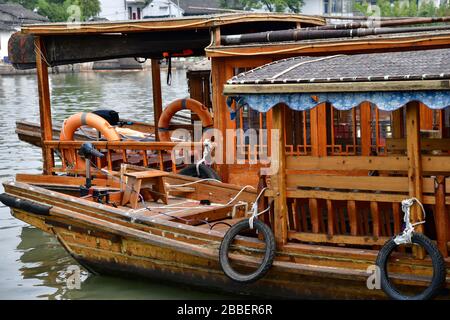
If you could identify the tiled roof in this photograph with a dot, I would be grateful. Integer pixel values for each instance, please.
(21, 13)
(409, 65)
(191, 7)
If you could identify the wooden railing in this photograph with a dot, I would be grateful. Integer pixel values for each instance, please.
(356, 200)
(148, 154)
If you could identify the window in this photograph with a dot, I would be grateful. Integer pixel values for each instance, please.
(326, 6)
(139, 13)
(129, 13)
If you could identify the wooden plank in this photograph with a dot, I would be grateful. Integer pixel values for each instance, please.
(389, 184)
(314, 212)
(353, 217)
(124, 145)
(397, 121)
(157, 95)
(331, 218)
(278, 180)
(64, 180)
(441, 217)
(376, 219)
(337, 239)
(426, 144)
(356, 196)
(44, 104)
(394, 184)
(366, 128)
(415, 166)
(383, 86)
(322, 129)
(346, 163)
(346, 46)
(186, 23)
(349, 163)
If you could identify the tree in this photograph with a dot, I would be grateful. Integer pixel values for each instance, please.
(408, 8)
(59, 10)
(268, 5)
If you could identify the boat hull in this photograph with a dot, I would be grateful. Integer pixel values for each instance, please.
(168, 251)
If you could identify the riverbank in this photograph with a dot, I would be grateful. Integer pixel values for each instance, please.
(100, 66)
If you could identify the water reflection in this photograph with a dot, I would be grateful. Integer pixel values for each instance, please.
(33, 264)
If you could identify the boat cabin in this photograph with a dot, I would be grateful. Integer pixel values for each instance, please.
(357, 134)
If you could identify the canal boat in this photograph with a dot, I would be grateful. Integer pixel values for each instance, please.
(357, 141)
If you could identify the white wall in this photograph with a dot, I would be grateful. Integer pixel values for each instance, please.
(313, 7)
(163, 8)
(4, 38)
(113, 10)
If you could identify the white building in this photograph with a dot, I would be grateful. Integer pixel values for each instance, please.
(163, 8)
(137, 9)
(328, 7)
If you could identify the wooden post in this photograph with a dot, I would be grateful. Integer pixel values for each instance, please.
(279, 178)
(397, 124)
(44, 104)
(414, 165)
(157, 96)
(366, 129)
(441, 217)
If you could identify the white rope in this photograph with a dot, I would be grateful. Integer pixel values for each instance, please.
(192, 183)
(206, 154)
(255, 213)
(405, 236)
(239, 193)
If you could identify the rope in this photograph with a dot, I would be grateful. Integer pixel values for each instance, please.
(255, 209)
(207, 151)
(405, 236)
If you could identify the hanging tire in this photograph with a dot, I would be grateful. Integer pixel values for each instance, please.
(268, 255)
(439, 270)
(206, 172)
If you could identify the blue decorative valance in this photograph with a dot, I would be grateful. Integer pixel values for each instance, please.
(388, 101)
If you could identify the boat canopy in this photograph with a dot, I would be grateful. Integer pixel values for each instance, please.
(67, 43)
(387, 80)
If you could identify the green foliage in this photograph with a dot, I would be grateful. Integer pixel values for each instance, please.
(408, 8)
(269, 5)
(61, 10)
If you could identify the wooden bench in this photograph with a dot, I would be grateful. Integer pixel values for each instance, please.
(148, 183)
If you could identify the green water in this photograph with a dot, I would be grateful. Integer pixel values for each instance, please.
(32, 264)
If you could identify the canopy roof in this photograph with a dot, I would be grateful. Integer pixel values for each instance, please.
(149, 38)
(389, 80)
(165, 24)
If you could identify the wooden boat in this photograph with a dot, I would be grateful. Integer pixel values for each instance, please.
(334, 200)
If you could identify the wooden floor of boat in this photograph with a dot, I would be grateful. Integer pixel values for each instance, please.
(185, 211)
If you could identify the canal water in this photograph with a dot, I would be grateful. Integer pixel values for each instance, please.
(32, 264)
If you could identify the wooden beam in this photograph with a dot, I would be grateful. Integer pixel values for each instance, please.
(44, 104)
(397, 121)
(400, 42)
(441, 217)
(383, 86)
(415, 164)
(176, 25)
(278, 179)
(366, 128)
(157, 95)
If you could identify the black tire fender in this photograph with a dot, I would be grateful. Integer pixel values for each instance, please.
(206, 172)
(268, 255)
(439, 270)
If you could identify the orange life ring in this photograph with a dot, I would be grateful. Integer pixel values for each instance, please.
(74, 122)
(181, 104)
